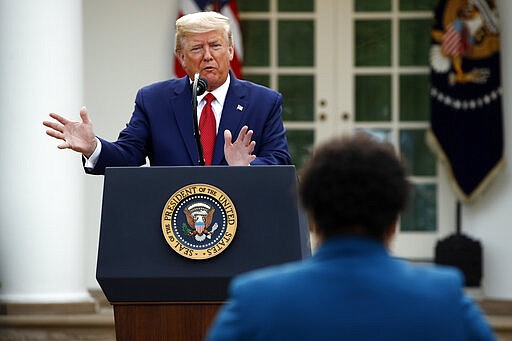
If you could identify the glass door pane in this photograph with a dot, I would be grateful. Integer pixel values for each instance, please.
(390, 75)
(345, 66)
(279, 52)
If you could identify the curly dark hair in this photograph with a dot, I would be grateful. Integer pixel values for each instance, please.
(354, 186)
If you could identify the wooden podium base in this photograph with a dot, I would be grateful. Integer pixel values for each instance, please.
(163, 321)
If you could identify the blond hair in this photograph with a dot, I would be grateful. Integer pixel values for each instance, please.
(201, 22)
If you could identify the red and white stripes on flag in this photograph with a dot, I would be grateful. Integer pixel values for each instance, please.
(455, 40)
(225, 7)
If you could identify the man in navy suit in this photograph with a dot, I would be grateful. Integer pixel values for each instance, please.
(161, 127)
(351, 288)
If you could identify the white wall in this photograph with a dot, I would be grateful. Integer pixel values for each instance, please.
(127, 44)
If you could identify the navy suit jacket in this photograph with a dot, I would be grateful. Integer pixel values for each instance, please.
(351, 289)
(161, 127)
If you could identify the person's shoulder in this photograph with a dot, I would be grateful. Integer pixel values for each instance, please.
(164, 85)
(441, 271)
(269, 278)
(255, 87)
(439, 276)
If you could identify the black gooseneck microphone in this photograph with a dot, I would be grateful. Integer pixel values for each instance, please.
(199, 86)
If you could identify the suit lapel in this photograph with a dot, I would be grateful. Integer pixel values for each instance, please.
(182, 105)
(232, 113)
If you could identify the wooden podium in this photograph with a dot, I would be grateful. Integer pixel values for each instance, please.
(163, 321)
(158, 293)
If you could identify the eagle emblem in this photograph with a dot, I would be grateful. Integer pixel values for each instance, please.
(470, 31)
(199, 221)
(199, 218)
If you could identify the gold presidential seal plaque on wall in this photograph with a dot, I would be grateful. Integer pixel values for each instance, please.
(199, 221)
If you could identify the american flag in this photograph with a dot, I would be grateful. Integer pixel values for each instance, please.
(225, 7)
(456, 40)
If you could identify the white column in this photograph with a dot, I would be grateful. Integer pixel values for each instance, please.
(41, 195)
(489, 218)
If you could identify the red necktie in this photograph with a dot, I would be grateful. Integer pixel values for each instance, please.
(208, 129)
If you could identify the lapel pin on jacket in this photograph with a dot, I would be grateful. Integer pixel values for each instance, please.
(239, 107)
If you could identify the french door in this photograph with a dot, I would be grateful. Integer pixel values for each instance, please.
(345, 66)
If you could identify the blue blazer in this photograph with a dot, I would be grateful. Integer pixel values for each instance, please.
(351, 289)
(161, 127)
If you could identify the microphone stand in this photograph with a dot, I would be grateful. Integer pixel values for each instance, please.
(197, 135)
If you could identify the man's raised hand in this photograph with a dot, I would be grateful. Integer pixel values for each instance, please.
(239, 153)
(77, 136)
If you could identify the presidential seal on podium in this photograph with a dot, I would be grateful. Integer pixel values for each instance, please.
(199, 221)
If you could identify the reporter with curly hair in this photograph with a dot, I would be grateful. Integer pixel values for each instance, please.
(351, 288)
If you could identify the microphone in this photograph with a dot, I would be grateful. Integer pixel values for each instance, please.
(199, 86)
(202, 85)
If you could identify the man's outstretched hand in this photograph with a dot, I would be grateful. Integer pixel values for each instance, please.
(77, 136)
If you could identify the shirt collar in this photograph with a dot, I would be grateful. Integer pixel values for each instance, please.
(220, 93)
